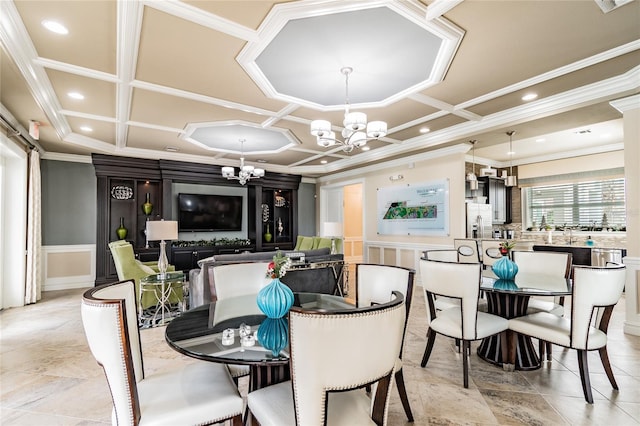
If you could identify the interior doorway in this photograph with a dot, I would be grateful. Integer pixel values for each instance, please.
(344, 204)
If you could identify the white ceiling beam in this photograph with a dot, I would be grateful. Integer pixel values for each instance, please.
(440, 7)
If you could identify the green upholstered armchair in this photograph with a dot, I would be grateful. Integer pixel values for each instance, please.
(128, 267)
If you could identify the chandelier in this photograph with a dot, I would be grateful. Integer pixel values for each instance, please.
(471, 177)
(511, 179)
(356, 131)
(245, 172)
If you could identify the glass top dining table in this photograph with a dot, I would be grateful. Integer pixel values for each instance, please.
(526, 284)
(204, 332)
(510, 299)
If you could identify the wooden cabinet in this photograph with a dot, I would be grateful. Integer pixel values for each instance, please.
(499, 196)
(122, 188)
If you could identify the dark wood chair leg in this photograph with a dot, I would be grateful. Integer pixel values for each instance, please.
(465, 361)
(431, 337)
(541, 348)
(237, 421)
(402, 391)
(604, 357)
(549, 351)
(584, 376)
(457, 345)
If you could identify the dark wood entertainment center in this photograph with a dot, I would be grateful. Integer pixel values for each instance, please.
(122, 185)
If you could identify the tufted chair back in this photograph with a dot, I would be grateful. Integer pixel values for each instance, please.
(455, 280)
(239, 279)
(110, 322)
(542, 262)
(594, 289)
(332, 351)
(467, 250)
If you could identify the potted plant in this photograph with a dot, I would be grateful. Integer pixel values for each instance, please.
(506, 246)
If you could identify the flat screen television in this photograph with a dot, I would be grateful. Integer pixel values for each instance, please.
(207, 212)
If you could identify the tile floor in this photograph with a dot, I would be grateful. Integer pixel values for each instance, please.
(48, 376)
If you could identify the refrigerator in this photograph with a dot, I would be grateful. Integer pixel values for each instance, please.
(479, 223)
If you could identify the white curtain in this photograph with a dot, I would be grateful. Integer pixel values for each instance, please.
(33, 279)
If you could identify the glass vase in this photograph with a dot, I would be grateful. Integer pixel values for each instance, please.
(147, 207)
(275, 299)
(505, 268)
(121, 231)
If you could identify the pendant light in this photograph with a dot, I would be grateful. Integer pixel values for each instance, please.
(471, 177)
(511, 179)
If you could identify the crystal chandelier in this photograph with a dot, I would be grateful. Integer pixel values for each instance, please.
(245, 172)
(356, 130)
(511, 179)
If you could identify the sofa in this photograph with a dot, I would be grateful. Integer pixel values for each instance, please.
(305, 279)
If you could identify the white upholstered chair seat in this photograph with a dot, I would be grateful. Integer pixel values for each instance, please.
(191, 395)
(198, 393)
(594, 294)
(331, 362)
(449, 323)
(554, 329)
(273, 405)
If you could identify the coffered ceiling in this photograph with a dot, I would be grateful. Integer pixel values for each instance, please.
(187, 80)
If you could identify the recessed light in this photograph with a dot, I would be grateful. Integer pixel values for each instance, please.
(511, 152)
(261, 160)
(171, 149)
(540, 140)
(55, 27)
(366, 148)
(425, 130)
(86, 129)
(529, 96)
(76, 95)
(323, 162)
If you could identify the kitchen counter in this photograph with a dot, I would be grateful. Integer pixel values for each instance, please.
(582, 254)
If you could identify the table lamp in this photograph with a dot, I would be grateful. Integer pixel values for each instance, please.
(333, 230)
(161, 230)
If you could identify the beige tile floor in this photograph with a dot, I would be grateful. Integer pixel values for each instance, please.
(48, 376)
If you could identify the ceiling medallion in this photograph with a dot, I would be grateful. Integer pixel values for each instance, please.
(354, 123)
(245, 173)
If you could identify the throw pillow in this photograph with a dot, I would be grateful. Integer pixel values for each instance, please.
(307, 243)
(145, 268)
(324, 243)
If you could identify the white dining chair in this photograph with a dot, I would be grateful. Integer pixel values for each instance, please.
(375, 284)
(238, 279)
(467, 250)
(331, 363)
(198, 393)
(490, 252)
(594, 294)
(463, 322)
(557, 264)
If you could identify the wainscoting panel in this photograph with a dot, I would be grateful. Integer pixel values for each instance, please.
(66, 267)
(399, 254)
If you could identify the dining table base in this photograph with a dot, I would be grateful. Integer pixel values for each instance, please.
(509, 306)
(265, 375)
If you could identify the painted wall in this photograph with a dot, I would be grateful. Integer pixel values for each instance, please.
(68, 203)
(307, 209)
(449, 166)
(586, 163)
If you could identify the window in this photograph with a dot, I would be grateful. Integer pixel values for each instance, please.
(584, 204)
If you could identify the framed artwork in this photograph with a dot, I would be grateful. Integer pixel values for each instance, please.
(415, 209)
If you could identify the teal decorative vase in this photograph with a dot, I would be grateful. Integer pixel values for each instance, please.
(147, 207)
(505, 268)
(273, 334)
(275, 299)
(121, 231)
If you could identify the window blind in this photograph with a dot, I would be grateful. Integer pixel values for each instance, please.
(578, 204)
